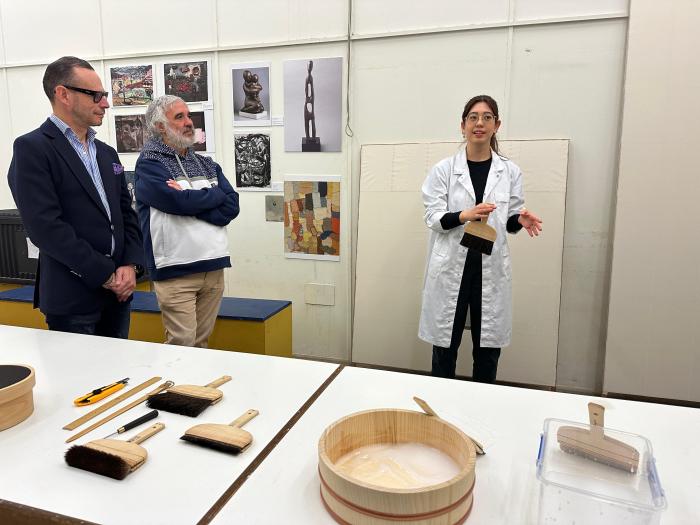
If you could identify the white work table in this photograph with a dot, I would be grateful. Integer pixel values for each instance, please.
(508, 421)
(179, 482)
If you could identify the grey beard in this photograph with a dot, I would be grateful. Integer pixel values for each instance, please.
(177, 140)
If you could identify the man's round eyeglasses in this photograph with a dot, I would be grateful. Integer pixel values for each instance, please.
(473, 118)
(96, 95)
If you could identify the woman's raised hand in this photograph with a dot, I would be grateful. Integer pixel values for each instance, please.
(531, 222)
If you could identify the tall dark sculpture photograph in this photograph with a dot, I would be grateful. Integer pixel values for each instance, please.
(312, 104)
(310, 142)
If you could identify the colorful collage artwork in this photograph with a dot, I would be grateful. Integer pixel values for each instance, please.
(312, 219)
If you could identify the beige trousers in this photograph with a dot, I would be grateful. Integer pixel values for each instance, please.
(189, 306)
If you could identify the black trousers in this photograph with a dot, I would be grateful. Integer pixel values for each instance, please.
(469, 300)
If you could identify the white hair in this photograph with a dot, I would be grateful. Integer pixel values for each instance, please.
(156, 114)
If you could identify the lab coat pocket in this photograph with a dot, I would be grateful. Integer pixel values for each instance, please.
(442, 244)
(436, 264)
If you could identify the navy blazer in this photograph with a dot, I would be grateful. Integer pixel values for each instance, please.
(65, 218)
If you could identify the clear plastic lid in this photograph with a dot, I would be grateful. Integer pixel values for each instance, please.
(568, 459)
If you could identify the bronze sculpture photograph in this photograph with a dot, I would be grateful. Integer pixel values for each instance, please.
(251, 94)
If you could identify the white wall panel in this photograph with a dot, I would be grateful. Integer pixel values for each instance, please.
(414, 88)
(44, 30)
(157, 26)
(567, 82)
(267, 21)
(392, 240)
(388, 16)
(546, 9)
(653, 341)
(2, 39)
(29, 106)
(6, 140)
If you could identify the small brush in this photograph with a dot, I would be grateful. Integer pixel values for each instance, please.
(188, 400)
(593, 444)
(111, 457)
(479, 236)
(229, 438)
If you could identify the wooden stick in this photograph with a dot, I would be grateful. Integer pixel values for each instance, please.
(119, 412)
(429, 411)
(94, 413)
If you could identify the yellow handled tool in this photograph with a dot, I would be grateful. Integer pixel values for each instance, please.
(100, 393)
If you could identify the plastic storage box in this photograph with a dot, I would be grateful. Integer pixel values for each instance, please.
(578, 490)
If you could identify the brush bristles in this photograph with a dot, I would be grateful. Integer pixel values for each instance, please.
(178, 403)
(216, 445)
(96, 461)
(478, 244)
(628, 465)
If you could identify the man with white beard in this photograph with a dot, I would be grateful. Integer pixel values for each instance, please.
(184, 203)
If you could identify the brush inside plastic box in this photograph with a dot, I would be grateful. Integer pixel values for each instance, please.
(578, 490)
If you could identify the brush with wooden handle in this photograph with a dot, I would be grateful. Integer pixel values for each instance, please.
(595, 445)
(479, 236)
(189, 400)
(229, 438)
(111, 457)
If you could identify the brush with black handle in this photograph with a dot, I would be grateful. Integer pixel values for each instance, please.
(478, 235)
(136, 422)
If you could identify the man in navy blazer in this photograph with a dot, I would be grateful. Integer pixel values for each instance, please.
(71, 193)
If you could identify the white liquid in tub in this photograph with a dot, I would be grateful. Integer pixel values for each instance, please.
(398, 465)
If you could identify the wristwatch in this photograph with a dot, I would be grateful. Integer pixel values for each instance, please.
(138, 270)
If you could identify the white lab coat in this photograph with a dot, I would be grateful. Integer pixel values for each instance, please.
(448, 188)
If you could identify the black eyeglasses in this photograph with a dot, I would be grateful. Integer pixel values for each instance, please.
(96, 95)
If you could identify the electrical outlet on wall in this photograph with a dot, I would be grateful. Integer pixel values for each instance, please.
(323, 294)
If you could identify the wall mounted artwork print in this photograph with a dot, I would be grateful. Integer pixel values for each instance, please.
(312, 104)
(253, 171)
(312, 217)
(131, 186)
(130, 132)
(251, 94)
(274, 206)
(203, 122)
(131, 85)
(187, 80)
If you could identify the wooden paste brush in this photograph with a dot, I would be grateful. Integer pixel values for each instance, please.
(479, 236)
(111, 457)
(188, 400)
(229, 438)
(595, 445)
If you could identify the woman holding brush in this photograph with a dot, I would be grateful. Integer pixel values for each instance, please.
(476, 184)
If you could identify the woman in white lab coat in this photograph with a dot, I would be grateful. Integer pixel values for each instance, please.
(474, 184)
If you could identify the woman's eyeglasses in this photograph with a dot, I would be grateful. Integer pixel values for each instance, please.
(96, 95)
(473, 118)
